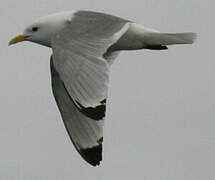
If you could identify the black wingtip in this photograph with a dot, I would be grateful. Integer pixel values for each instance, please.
(93, 155)
(96, 113)
(157, 47)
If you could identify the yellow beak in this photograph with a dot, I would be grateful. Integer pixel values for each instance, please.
(18, 39)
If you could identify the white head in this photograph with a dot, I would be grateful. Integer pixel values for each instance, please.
(44, 29)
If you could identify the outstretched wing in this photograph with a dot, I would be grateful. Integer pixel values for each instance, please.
(78, 56)
(80, 74)
(85, 133)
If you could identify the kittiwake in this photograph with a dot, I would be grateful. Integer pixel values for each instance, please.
(84, 45)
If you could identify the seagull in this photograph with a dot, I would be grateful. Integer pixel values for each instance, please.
(84, 46)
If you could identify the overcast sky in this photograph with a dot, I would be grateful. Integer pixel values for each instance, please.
(161, 107)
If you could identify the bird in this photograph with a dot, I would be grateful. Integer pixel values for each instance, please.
(84, 46)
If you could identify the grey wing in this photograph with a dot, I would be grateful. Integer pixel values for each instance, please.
(85, 133)
(79, 56)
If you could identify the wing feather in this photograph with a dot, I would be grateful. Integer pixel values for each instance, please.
(80, 69)
(85, 133)
(78, 55)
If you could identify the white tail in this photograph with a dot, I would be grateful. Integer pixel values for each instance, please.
(155, 38)
(140, 37)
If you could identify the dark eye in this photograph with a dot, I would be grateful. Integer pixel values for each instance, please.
(34, 29)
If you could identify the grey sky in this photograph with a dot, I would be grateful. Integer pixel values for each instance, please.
(161, 106)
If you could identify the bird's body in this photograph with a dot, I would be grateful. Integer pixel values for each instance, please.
(84, 45)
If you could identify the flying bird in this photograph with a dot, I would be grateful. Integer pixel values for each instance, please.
(84, 46)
